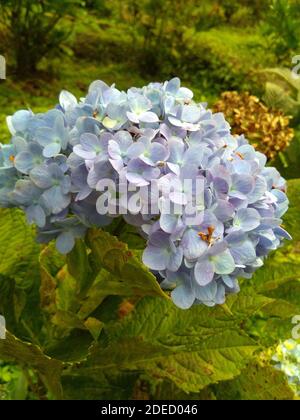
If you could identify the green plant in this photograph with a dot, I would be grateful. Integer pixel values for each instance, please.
(32, 30)
(72, 334)
(282, 26)
(282, 91)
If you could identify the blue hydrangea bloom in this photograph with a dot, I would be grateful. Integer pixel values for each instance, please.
(56, 163)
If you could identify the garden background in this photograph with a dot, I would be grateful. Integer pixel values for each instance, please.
(68, 328)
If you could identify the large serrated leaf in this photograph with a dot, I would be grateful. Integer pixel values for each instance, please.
(111, 385)
(256, 382)
(14, 350)
(79, 267)
(18, 248)
(118, 260)
(191, 348)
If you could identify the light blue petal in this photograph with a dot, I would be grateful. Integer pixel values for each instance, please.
(24, 162)
(193, 245)
(41, 177)
(55, 200)
(156, 258)
(35, 214)
(168, 222)
(247, 219)
(19, 121)
(149, 117)
(223, 263)
(190, 114)
(204, 272)
(65, 242)
(183, 296)
(243, 253)
(52, 150)
(173, 86)
(175, 260)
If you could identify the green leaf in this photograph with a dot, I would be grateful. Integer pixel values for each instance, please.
(292, 217)
(94, 326)
(14, 350)
(280, 268)
(127, 270)
(112, 385)
(256, 382)
(79, 267)
(18, 248)
(289, 292)
(51, 262)
(191, 348)
(72, 348)
(66, 292)
(67, 320)
(12, 301)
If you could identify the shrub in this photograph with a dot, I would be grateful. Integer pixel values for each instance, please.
(33, 30)
(283, 28)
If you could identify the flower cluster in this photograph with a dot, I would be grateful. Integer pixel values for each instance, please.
(267, 129)
(55, 167)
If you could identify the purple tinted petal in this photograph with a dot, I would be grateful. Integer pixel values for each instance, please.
(221, 186)
(83, 153)
(183, 296)
(175, 260)
(155, 258)
(168, 222)
(114, 150)
(243, 253)
(204, 272)
(282, 233)
(149, 117)
(247, 219)
(224, 210)
(89, 142)
(193, 246)
(258, 191)
(243, 183)
(224, 263)
(158, 152)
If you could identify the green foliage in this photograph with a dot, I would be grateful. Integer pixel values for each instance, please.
(258, 382)
(18, 249)
(282, 26)
(32, 29)
(153, 37)
(13, 382)
(25, 354)
(282, 91)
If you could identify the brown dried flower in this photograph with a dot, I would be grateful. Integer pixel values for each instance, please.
(267, 129)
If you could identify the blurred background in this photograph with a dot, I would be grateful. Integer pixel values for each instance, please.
(236, 55)
(215, 46)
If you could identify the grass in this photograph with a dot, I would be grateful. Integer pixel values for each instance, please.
(75, 76)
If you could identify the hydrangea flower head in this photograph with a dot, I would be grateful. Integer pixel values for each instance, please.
(58, 164)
